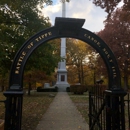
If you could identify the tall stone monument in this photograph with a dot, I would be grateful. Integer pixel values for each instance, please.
(62, 83)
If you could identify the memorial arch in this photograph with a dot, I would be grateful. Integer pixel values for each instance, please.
(64, 27)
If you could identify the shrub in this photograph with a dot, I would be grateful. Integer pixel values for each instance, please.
(68, 89)
(39, 89)
(78, 89)
(56, 89)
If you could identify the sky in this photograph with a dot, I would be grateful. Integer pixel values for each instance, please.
(84, 9)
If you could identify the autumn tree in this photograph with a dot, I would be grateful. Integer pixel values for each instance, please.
(42, 63)
(76, 54)
(78, 61)
(116, 34)
(111, 5)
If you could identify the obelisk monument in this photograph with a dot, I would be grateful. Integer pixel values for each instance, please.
(62, 83)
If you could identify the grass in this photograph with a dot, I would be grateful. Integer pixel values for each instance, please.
(2, 106)
(127, 111)
(81, 102)
(34, 106)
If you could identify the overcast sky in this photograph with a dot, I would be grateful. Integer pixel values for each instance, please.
(85, 9)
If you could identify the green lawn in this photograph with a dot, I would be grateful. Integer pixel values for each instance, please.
(81, 102)
(34, 106)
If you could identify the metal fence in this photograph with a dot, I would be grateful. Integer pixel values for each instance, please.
(97, 112)
(108, 109)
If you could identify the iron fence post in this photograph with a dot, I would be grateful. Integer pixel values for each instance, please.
(90, 110)
(13, 108)
(115, 117)
(108, 113)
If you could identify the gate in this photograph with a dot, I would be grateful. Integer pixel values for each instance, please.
(106, 112)
(97, 112)
(106, 109)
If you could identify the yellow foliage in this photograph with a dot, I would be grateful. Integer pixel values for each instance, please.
(38, 84)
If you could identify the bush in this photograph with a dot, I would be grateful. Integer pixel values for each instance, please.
(68, 89)
(39, 89)
(78, 89)
(56, 89)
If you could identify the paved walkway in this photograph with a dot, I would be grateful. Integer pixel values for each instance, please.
(62, 115)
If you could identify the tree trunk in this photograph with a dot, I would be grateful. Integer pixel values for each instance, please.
(82, 74)
(29, 88)
(94, 77)
(79, 76)
(126, 76)
(29, 85)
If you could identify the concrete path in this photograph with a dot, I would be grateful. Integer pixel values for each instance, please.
(62, 115)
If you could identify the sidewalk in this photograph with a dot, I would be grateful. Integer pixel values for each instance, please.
(62, 115)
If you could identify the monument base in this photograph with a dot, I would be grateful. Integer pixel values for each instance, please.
(62, 86)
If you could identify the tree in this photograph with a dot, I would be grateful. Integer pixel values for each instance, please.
(111, 5)
(76, 54)
(77, 60)
(44, 58)
(19, 21)
(118, 30)
(42, 63)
